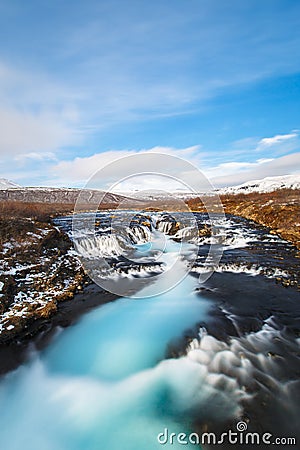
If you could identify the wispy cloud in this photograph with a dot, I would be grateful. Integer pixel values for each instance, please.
(27, 132)
(279, 138)
(234, 173)
(34, 156)
(268, 146)
(35, 115)
(99, 66)
(79, 170)
(126, 62)
(285, 142)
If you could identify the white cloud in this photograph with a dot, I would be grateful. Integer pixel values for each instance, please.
(279, 144)
(30, 133)
(238, 173)
(36, 115)
(278, 139)
(139, 62)
(127, 63)
(80, 169)
(35, 156)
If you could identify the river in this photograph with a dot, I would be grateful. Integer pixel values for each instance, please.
(184, 359)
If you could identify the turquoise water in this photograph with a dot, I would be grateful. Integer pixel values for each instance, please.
(103, 384)
(121, 338)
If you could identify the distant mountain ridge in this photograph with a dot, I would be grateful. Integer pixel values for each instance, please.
(12, 191)
(267, 184)
(7, 184)
(263, 185)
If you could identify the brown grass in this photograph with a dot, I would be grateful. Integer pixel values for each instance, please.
(278, 210)
(42, 212)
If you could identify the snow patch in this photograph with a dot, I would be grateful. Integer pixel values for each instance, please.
(7, 184)
(267, 184)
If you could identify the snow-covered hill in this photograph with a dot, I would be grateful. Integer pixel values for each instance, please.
(15, 192)
(58, 195)
(158, 195)
(268, 184)
(6, 184)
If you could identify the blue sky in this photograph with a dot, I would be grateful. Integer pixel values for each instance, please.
(82, 83)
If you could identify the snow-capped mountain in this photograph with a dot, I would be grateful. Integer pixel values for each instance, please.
(12, 191)
(6, 184)
(158, 195)
(57, 195)
(267, 184)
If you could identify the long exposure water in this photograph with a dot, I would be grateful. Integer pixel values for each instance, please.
(100, 385)
(105, 383)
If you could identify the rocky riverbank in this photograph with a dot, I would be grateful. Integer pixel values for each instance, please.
(278, 210)
(38, 270)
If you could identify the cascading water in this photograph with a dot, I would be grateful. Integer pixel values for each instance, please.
(105, 383)
(92, 246)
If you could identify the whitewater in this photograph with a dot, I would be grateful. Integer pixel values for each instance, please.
(110, 381)
(104, 382)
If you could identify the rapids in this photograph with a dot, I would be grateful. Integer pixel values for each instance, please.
(108, 382)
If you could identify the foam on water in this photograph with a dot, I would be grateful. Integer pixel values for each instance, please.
(128, 335)
(104, 383)
(69, 412)
(91, 390)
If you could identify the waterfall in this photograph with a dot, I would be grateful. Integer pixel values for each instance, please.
(164, 227)
(101, 246)
(139, 234)
(114, 244)
(187, 233)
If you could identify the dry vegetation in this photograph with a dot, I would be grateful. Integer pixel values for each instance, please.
(278, 210)
(44, 273)
(41, 212)
(36, 270)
